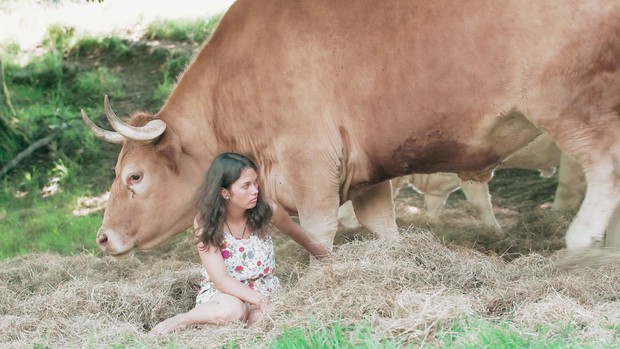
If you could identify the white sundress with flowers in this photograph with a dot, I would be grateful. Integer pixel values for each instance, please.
(251, 261)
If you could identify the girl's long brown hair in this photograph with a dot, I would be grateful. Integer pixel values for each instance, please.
(223, 172)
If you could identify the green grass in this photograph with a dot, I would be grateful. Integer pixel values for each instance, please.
(193, 31)
(460, 334)
(476, 333)
(174, 66)
(36, 224)
(318, 335)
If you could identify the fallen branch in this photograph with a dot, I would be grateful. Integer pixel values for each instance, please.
(28, 151)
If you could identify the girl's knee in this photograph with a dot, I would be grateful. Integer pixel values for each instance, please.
(232, 311)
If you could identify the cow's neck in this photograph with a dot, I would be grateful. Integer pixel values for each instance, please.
(191, 124)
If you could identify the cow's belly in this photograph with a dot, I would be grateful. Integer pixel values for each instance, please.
(479, 150)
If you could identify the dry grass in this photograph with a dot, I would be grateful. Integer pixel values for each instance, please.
(406, 290)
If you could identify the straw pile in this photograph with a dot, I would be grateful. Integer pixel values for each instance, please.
(405, 290)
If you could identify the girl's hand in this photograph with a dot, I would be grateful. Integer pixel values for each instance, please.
(288, 227)
(260, 301)
(318, 250)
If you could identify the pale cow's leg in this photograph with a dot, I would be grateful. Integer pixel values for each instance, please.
(374, 209)
(316, 202)
(571, 184)
(436, 188)
(598, 207)
(596, 146)
(320, 221)
(434, 204)
(612, 237)
(478, 195)
(346, 216)
(578, 104)
(398, 183)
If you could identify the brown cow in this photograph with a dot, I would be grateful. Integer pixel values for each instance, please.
(333, 98)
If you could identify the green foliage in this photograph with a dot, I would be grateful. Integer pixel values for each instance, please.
(163, 90)
(317, 335)
(196, 31)
(59, 38)
(12, 50)
(48, 93)
(110, 47)
(174, 66)
(43, 71)
(116, 47)
(94, 84)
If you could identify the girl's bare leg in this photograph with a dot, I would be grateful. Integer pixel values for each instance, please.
(221, 308)
(255, 315)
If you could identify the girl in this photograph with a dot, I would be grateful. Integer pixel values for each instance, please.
(236, 250)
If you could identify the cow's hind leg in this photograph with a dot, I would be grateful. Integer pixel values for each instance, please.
(346, 216)
(571, 184)
(579, 106)
(478, 195)
(598, 208)
(595, 144)
(436, 188)
(374, 209)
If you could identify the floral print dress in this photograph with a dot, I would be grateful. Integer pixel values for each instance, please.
(251, 261)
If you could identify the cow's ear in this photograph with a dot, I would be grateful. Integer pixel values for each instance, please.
(169, 148)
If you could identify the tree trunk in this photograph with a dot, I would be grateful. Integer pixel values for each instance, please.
(5, 97)
(11, 139)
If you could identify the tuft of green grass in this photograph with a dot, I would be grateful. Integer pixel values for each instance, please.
(336, 335)
(193, 31)
(478, 333)
(113, 47)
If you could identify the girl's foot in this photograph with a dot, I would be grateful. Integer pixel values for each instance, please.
(169, 325)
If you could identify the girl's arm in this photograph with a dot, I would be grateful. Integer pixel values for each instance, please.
(287, 226)
(213, 262)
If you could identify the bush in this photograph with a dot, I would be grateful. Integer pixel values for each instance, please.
(91, 85)
(196, 31)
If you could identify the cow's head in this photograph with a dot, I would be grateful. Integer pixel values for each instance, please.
(151, 196)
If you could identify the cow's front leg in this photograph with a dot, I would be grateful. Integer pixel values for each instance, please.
(374, 209)
(318, 213)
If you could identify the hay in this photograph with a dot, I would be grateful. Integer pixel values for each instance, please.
(405, 289)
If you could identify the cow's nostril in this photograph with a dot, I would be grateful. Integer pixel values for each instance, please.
(102, 240)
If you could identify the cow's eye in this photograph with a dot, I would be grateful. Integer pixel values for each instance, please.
(134, 178)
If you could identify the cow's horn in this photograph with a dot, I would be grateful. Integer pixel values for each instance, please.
(148, 132)
(108, 136)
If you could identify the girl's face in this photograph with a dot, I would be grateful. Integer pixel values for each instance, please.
(243, 192)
